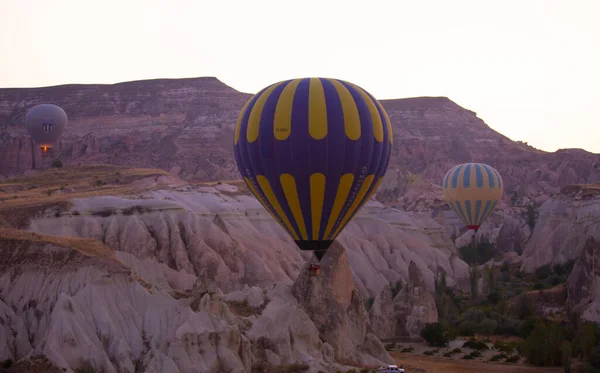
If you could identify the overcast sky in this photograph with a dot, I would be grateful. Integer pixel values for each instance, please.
(529, 68)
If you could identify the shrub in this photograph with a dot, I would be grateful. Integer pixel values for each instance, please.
(475, 345)
(434, 334)
(543, 346)
(513, 359)
(499, 357)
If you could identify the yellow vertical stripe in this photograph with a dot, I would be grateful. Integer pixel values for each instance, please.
(340, 198)
(254, 120)
(236, 134)
(266, 188)
(317, 196)
(282, 128)
(361, 193)
(364, 202)
(260, 199)
(351, 117)
(388, 123)
(317, 110)
(288, 184)
(375, 118)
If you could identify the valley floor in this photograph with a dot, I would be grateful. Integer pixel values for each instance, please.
(434, 364)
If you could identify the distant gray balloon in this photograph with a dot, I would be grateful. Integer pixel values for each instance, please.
(46, 124)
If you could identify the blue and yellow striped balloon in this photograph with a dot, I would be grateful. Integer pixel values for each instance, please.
(313, 151)
(472, 191)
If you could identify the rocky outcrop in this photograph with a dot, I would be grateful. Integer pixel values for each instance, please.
(563, 226)
(196, 255)
(82, 309)
(583, 285)
(333, 302)
(232, 240)
(382, 316)
(414, 306)
(185, 126)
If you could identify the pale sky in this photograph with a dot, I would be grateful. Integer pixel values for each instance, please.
(529, 68)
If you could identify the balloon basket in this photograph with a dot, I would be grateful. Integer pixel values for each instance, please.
(314, 270)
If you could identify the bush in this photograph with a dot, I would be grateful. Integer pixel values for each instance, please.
(480, 253)
(543, 346)
(553, 280)
(487, 327)
(499, 357)
(369, 303)
(407, 349)
(513, 359)
(6, 364)
(475, 345)
(434, 334)
(475, 354)
(57, 163)
(542, 272)
(396, 288)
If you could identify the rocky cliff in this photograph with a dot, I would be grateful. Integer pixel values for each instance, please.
(134, 270)
(185, 126)
(562, 227)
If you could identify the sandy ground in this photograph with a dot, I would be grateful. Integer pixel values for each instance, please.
(416, 362)
(433, 364)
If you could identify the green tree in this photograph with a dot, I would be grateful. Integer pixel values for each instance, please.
(586, 338)
(489, 283)
(434, 334)
(531, 215)
(566, 356)
(474, 278)
(543, 346)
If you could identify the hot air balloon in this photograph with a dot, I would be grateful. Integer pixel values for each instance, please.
(46, 124)
(472, 191)
(313, 151)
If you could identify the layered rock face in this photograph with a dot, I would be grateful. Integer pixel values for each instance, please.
(201, 279)
(186, 126)
(564, 224)
(583, 283)
(183, 125)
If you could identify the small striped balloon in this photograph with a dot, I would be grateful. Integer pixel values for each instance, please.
(472, 190)
(313, 151)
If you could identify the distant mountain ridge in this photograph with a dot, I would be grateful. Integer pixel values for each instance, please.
(185, 126)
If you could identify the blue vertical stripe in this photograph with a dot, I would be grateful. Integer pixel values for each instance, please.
(477, 211)
(468, 208)
(490, 176)
(467, 176)
(455, 176)
(478, 176)
(499, 179)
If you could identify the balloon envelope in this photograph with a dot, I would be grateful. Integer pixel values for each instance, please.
(313, 151)
(46, 124)
(472, 191)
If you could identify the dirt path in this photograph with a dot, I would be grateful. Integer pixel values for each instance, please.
(433, 364)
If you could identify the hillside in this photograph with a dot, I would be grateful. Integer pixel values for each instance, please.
(185, 126)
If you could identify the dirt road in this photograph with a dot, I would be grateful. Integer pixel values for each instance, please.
(433, 364)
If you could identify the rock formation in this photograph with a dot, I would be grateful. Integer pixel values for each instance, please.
(563, 226)
(185, 126)
(335, 305)
(193, 276)
(414, 306)
(583, 285)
